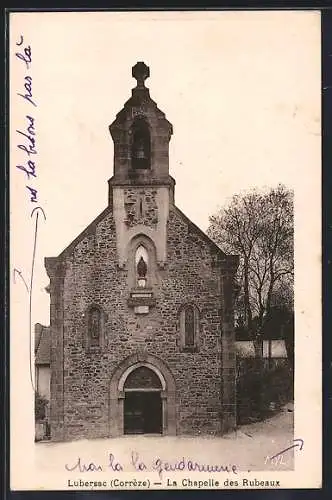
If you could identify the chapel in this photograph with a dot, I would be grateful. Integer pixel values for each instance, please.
(141, 303)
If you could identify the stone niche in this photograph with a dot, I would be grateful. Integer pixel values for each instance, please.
(142, 274)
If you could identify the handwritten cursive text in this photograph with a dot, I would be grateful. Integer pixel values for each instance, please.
(158, 465)
(27, 146)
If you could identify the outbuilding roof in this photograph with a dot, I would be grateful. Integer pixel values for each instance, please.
(42, 345)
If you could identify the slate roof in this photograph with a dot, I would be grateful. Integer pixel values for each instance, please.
(42, 345)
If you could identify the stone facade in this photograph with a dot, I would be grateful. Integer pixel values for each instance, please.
(139, 325)
(141, 207)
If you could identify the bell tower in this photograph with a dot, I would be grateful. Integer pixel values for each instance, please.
(141, 188)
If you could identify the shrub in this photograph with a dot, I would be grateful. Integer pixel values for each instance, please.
(40, 404)
(258, 386)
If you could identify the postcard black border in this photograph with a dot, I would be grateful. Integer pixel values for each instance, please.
(326, 490)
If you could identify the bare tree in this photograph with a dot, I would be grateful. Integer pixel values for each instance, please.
(258, 226)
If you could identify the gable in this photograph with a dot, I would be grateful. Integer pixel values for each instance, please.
(199, 232)
(192, 228)
(91, 228)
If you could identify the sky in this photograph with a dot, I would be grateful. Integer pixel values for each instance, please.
(242, 90)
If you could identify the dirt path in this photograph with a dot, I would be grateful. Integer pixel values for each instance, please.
(249, 448)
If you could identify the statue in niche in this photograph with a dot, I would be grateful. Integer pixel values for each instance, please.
(141, 265)
(142, 268)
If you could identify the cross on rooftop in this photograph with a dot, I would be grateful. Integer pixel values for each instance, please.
(140, 72)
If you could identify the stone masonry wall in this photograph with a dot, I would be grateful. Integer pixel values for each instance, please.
(141, 207)
(93, 277)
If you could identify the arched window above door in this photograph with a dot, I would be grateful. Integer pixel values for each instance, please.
(142, 378)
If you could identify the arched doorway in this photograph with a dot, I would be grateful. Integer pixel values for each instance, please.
(141, 386)
(142, 413)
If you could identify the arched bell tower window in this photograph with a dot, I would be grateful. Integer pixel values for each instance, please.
(141, 145)
(189, 328)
